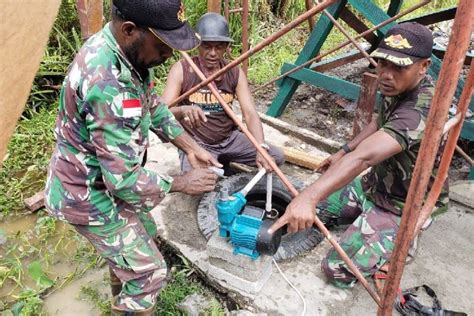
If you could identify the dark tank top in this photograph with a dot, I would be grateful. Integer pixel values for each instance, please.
(219, 125)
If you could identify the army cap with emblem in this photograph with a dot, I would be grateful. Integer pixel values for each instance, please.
(164, 18)
(405, 43)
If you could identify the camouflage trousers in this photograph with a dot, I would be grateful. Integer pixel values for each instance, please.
(127, 244)
(368, 241)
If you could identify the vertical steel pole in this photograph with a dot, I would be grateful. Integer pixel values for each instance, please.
(245, 33)
(445, 88)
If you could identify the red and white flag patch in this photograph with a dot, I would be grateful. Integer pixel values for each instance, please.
(131, 108)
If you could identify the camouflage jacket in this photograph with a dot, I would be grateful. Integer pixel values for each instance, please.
(105, 112)
(403, 117)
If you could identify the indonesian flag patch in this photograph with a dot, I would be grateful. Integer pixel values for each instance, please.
(131, 108)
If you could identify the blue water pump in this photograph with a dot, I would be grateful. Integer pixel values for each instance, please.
(245, 226)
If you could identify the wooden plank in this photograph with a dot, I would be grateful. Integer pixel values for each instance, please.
(343, 88)
(35, 202)
(311, 48)
(340, 60)
(301, 158)
(214, 6)
(354, 22)
(303, 134)
(365, 103)
(438, 16)
(25, 30)
(91, 16)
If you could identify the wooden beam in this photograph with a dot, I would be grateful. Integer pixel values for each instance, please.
(355, 23)
(214, 6)
(301, 158)
(25, 30)
(91, 16)
(365, 103)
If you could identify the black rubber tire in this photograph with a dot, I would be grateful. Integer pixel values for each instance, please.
(291, 245)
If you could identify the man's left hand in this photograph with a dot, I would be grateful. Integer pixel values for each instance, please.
(201, 158)
(263, 163)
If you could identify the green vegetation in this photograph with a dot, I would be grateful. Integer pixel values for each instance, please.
(29, 258)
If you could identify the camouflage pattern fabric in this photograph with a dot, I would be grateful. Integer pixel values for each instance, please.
(375, 201)
(127, 246)
(95, 179)
(105, 112)
(368, 241)
(404, 118)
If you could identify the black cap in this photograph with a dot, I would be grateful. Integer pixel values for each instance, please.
(213, 27)
(405, 43)
(165, 18)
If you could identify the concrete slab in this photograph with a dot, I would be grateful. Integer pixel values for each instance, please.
(444, 259)
(463, 192)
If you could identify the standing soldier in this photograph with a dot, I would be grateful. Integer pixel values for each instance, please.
(96, 181)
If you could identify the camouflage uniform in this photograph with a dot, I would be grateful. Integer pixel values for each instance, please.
(95, 181)
(375, 201)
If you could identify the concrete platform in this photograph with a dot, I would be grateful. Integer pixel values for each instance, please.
(444, 261)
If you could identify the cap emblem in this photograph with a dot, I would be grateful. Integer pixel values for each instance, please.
(397, 41)
(181, 15)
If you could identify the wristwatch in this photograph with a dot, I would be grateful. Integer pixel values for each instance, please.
(346, 148)
(265, 146)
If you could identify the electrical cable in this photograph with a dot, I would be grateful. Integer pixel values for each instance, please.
(292, 286)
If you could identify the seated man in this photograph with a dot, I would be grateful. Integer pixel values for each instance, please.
(390, 145)
(201, 114)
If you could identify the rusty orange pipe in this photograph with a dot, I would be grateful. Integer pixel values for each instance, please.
(453, 61)
(283, 178)
(448, 152)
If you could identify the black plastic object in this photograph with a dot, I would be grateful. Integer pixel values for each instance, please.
(407, 304)
(268, 243)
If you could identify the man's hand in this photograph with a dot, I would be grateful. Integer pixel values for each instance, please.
(193, 115)
(299, 215)
(195, 182)
(201, 158)
(263, 163)
(328, 162)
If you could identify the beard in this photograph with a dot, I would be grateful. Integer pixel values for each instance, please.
(133, 54)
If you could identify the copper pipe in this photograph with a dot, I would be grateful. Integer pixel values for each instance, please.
(464, 155)
(448, 78)
(226, 10)
(309, 4)
(267, 41)
(245, 34)
(283, 178)
(448, 152)
(320, 56)
(349, 37)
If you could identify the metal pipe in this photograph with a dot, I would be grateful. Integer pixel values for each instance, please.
(90, 14)
(453, 61)
(464, 155)
(226, 10)
(451, 123)
(349, 37)
(448, 152)
(267, 41)
(283, 178)
(309, 4)
(268, 202)
(320, 56)
(245, 34)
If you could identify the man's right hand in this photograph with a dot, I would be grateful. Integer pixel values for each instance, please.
(193, 115)
(195, 182)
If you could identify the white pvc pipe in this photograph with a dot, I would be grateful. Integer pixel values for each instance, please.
(268, 204)
(253, 182)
